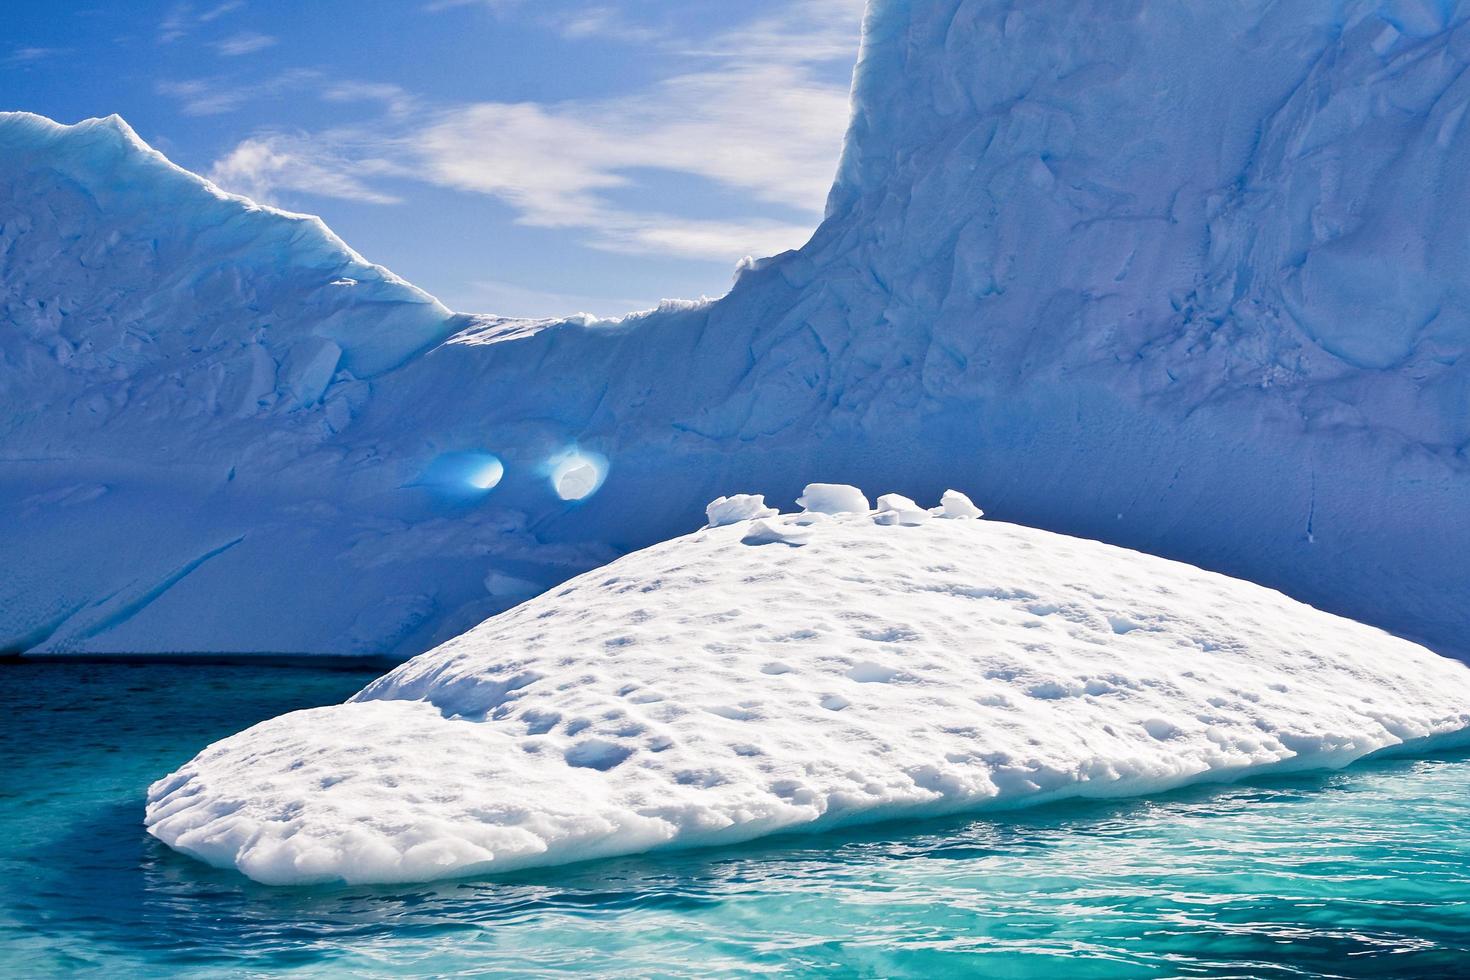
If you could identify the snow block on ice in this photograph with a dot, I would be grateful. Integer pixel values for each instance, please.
(736, 508)
(833, 498)
(894, 508)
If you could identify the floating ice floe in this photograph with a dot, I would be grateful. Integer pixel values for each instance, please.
(704, 692)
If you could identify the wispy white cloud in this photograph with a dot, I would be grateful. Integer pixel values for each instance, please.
(806, 31)
(219, 10)
(766, 130)
(645, 24)
(246, 42)
(27, 56)
(495, 6)
(221, 94)
(216, 96)
(263, 167)
(184, 18)
(396, 102)
(609, 23)
(749, 112)
(175, 25)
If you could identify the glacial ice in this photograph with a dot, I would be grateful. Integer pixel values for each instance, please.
(1188, 278)
(706, 691)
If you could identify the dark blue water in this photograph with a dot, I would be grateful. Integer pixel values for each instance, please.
(1360, 873)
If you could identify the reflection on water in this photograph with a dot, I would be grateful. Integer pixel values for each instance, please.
(1362, 873)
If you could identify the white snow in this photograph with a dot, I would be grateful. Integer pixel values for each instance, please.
(737, 507)
(764, 531)
(832, 498)
(707, 691)
(894, 508)
(957, 506)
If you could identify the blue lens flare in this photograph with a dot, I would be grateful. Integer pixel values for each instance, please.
(577, 474)
(463, 473)
(487, 475)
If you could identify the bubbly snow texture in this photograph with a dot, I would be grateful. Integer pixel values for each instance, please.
(1193, 278)
(707, 691)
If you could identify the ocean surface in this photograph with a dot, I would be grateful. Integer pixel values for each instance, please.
(1364, 872)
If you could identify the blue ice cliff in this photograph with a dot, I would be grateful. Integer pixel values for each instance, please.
(1189, 278)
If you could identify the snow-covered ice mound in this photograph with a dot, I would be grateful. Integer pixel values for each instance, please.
(708, 691)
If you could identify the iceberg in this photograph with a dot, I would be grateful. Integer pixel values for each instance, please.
(1187, 278)
(708, 691)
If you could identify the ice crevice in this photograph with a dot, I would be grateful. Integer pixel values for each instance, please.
(114, 610)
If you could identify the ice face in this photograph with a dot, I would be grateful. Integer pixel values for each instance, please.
(1189, 278)
(726, 685)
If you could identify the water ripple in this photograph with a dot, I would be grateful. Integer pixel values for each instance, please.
(1359, 873)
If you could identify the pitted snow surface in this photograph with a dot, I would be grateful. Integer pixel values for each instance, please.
(708, 691)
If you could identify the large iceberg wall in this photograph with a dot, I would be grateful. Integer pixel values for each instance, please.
(157, 337)
(114, 256)
(1187, 278)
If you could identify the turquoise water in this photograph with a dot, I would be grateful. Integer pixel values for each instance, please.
(1360, 873)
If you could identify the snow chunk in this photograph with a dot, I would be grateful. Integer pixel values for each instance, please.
(773, 532)
(736, 508)
(957, 506)
(894, 508)
(833, 498)
(953, 667)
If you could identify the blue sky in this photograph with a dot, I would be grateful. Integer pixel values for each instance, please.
(529, 157)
